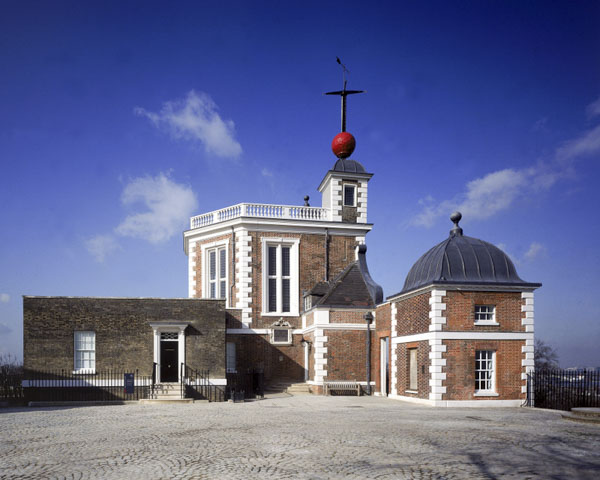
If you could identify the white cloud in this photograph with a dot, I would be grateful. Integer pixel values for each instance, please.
(265, 172)
(593, 108)
(535, 250)
(4, 298)
(482, 198)
(586, 144)
(497, 191)
(196, 118)
(101, 246)
(168, 206)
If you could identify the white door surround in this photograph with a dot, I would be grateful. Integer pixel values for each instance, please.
(383, 366)
(172, 327)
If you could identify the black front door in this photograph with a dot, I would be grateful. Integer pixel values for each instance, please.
(169, 360)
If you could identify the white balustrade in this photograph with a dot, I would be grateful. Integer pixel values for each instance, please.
(260, 210)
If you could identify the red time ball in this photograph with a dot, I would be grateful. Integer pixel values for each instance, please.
(343, 145)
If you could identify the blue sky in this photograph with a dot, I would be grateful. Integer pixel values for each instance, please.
(119, 120)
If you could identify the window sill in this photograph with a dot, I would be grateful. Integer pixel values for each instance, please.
(487, 322)
(411, 391)
(84, 372)
(279, 314)
(486, 394)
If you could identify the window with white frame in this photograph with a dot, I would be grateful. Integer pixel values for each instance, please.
(281, 336)
(280, 277)
(485, 371)
(231, 368)
(216, 272)
(349, 195)
(485, 315)
(85, 352)
(412, 369)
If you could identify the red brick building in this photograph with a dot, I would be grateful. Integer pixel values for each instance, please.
(298, 288)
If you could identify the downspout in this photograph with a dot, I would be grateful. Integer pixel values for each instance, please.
(232, 287)
(326, 254)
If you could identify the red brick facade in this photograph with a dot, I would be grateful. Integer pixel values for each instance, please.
(460, 368)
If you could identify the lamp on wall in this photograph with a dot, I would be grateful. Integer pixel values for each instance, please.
(369, 320)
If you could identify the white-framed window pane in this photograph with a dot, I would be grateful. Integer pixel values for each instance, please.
(272, 294)
(85, 350)
(216, 273)
(213, 265)
(285, 295)
(485, 313)
(280, 277)
(222, 263)
(413, 369)
(272, 268)
(484, 370)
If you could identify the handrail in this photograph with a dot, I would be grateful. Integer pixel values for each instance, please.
(261, 210)
(153, 386)
(193, 377)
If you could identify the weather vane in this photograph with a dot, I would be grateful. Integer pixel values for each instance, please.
(344, 93)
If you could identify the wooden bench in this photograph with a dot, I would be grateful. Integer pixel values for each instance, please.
(342, 386)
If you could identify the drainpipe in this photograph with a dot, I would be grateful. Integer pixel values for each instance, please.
(232, 287)
(326, 254)
(369, 320)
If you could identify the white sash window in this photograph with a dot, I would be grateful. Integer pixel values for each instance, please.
(85, 352)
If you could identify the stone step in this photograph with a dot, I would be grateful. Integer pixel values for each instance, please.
(583, 415)
(587, 411)
(155, 401)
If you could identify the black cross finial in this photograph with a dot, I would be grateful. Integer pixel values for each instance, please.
(344, 93)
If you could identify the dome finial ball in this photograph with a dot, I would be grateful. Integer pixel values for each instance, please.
(455, 217)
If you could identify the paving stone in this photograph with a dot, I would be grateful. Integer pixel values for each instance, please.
(291, 437)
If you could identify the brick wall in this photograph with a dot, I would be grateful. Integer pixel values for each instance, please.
(311, 268)
(460, 311)
(403, 369)
(413, 314)
(277, 361)
(346, 355)
(347, 316)
(124, 338)
(460, 369)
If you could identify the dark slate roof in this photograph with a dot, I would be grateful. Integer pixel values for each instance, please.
(463, 260)
(348, 166)
(353, 287)
(320, 289)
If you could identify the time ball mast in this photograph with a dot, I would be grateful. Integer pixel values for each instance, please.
(343, 143)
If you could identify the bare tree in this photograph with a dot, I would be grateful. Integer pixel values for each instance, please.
(545, 357)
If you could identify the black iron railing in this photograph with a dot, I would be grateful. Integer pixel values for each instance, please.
(64, 385)
(153, 386)
(245, 384)
(563, 389)
(197, 384)
(11, 388)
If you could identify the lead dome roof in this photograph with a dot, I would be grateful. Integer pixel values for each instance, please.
(348, 166)
(464, 260)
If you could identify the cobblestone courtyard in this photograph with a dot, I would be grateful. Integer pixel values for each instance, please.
(294, 437)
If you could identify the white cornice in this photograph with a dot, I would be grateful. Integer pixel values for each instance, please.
(253, 224)
(343, 175)
(461, 287)
(420, 337)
